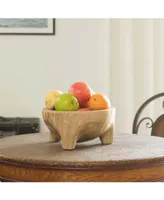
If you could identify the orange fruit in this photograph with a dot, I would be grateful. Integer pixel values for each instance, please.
(98, 102)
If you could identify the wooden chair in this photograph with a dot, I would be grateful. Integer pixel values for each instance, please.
(157, 126)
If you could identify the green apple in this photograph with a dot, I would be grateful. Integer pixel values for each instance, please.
(66, 102)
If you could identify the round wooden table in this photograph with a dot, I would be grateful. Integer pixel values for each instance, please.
(130, 158)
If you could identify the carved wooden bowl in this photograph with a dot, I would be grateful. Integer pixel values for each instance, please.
(79, 126)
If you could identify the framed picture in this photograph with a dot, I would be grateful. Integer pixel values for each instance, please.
(27, 26)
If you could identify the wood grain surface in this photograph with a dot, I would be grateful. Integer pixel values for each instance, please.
(78, 126)
(130, 158)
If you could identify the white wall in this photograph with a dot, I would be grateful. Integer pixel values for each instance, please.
(32, 65)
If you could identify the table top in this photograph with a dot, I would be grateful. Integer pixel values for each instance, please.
(36, 150)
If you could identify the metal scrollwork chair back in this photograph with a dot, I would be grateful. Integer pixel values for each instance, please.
(157, 126)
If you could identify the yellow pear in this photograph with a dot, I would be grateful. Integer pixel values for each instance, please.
(50, 98)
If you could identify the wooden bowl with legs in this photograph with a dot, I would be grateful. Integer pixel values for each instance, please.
(79, 126)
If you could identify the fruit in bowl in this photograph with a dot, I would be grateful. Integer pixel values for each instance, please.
(78, 116)
(82, 92)
(51, 97)
(66, 102)
(98, 102)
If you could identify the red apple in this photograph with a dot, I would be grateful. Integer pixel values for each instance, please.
(82, 92)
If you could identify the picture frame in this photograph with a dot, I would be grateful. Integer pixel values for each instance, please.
(27, 26)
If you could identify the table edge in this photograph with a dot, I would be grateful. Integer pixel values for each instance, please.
(106, 165)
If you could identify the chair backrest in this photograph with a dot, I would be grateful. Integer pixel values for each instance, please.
(157, 126)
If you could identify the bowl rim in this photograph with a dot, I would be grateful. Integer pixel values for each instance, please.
(86, 111)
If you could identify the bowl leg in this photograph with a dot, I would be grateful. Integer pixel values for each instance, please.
(53, 136)
(107, 137)
(68, 141)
